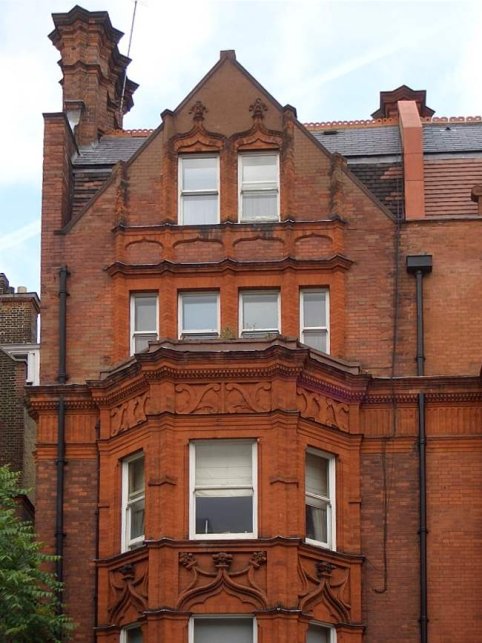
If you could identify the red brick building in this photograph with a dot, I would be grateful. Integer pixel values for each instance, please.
(260, 409)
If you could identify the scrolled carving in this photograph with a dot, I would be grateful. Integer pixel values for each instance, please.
(323, 409)
(222, 574)
(128, 588)
(325, 583)
(128, 414)
(247, 397)
(223, 397)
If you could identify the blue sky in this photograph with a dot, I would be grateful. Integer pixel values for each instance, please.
(329, 59)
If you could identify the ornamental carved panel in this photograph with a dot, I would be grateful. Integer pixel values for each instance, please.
(223, 397)
(324, 410)
(128, 588)
(128, 414)
(205, 575)
(324, 582)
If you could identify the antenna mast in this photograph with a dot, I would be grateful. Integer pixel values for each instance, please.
(128, 55)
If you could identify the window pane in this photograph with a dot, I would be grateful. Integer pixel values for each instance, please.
(199, 312)
(227, 630)
(316, 481)
(136, 476)
(260, 310)
(134, 635)
(318, 634)
(137, 518)
(260, 205)
(224, 514)
(200, 209)
(260, 167)
(316, 520)
(224, 463)
(141, 342)
(315, 339)
(199, 173)
(314, 308)
(145, 313)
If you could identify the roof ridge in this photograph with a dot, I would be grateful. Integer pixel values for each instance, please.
(452, 119)
(129, 132)
(369, 122)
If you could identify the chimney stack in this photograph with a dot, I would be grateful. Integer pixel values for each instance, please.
(93, 72)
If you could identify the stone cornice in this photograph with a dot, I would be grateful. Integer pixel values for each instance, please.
(230, 265)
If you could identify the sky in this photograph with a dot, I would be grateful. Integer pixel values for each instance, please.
(328, 58)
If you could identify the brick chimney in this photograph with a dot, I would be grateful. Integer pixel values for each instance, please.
(18, 314)
(409, 106)
(93, 72)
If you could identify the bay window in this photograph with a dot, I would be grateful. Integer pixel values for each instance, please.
(320, 498)
(223, 489)
(133, 502)
(320, 634)
(221, 629)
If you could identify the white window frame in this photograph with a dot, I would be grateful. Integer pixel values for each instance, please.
(205, 333)
(241, 159)
(30, 355)
(326, 328)
(128, 543)
(135, 296)
(258, 332)
(192, 492)
(182, 193)
(330, 499)
(221, 617)
(124, 631)
(330, 628)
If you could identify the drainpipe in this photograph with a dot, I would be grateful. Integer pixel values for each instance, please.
(60, 462)
(420, 265)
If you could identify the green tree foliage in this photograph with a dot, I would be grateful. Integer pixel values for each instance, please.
(28, 593)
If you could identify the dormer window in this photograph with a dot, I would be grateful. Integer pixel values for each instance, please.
(258, 178)
(199, 189)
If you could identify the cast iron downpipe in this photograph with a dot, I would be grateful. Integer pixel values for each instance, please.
(60, 462)
(420, 265)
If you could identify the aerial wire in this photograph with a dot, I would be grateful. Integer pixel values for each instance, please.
(128, 55)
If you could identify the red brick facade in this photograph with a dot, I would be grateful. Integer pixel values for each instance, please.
(356, 408)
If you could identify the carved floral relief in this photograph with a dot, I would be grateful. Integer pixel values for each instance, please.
(128, 414)
(127, 590)
(236, 574)
(323, 409)
(323, 582)
(223, 397)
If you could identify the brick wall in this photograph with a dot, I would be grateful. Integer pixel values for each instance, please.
(12, 382)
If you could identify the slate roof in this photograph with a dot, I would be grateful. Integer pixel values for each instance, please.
(452, 137)
(363, 141)
(109, 150)
(439, 138)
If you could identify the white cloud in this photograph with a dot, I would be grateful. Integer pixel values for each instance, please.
(19, 236)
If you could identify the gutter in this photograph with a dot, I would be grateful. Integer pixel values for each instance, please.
(420, 265)
(60, 461)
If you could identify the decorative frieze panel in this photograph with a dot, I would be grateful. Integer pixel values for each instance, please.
(223, 397)
(128, 414)
(128, 589)
(239, 575)
(324, 582)
(323, 409)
